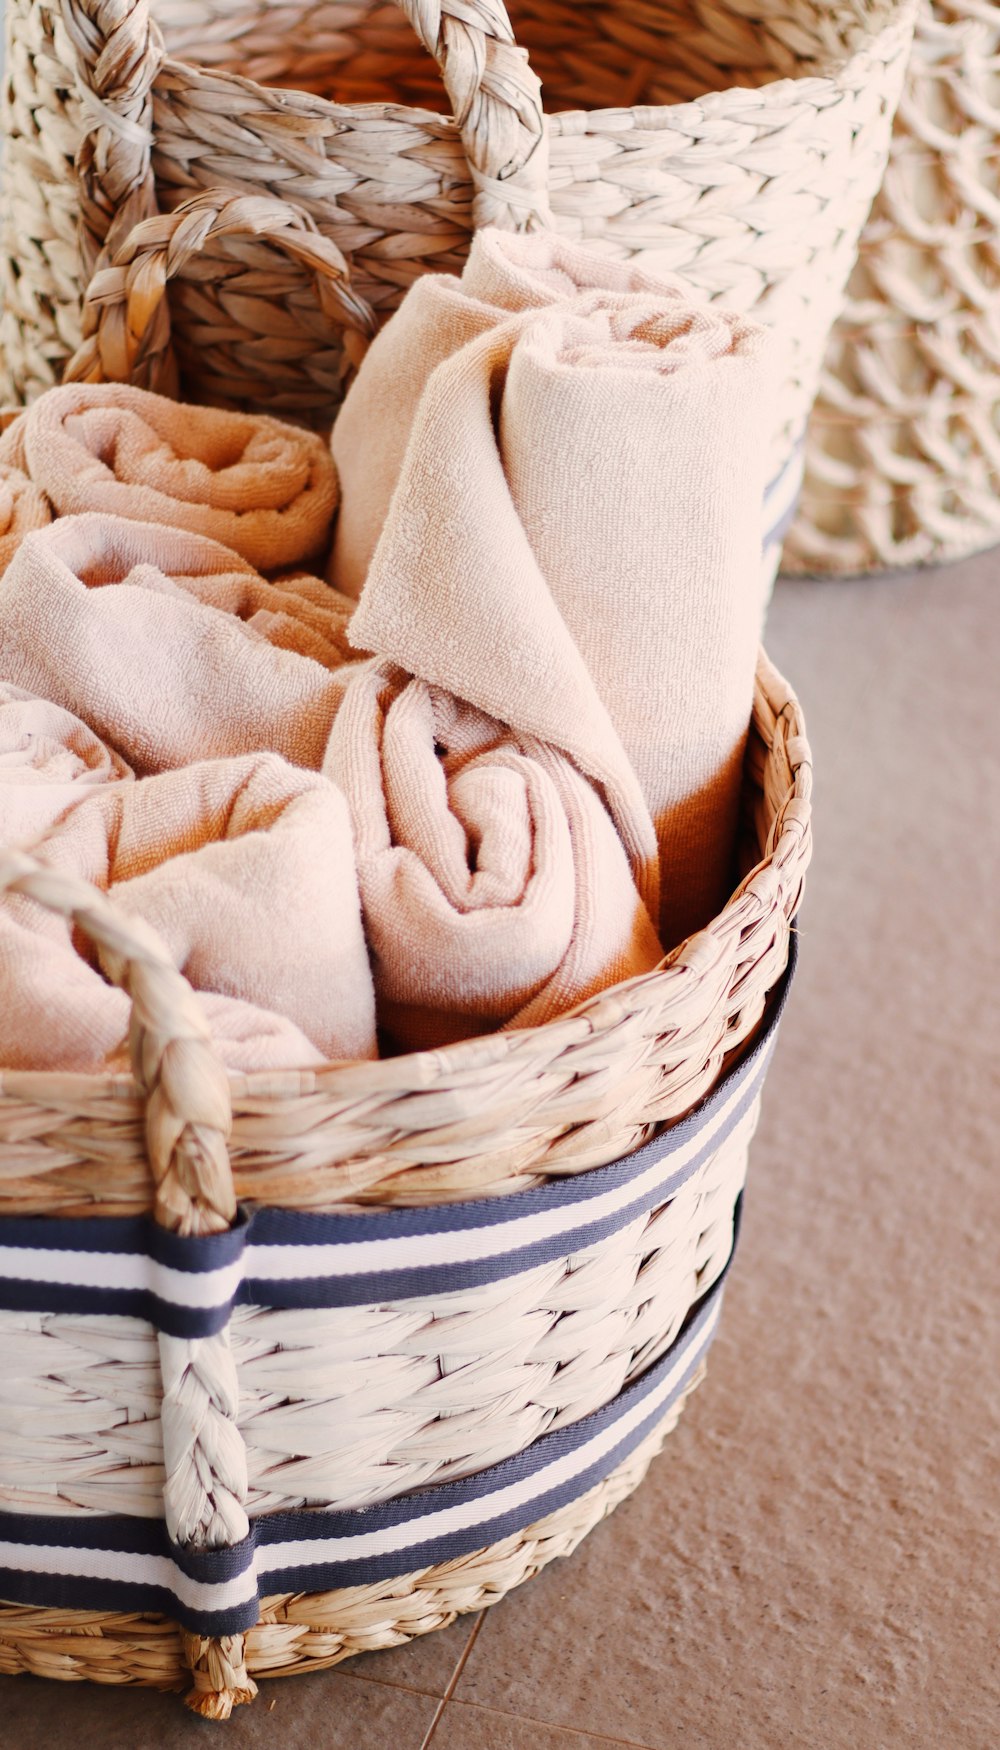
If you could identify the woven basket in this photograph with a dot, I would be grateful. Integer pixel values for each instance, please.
(904, 447)
(743, 148)
(407, 1293)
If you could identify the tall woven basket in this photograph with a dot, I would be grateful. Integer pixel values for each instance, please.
(740, 144)
(903, 454)
(298, 1365)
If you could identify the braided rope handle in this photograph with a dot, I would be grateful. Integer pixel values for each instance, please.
(119, 51)
(188, 1119)
(126, 320)
(495, 97)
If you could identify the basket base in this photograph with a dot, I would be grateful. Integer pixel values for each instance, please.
(300, 1632)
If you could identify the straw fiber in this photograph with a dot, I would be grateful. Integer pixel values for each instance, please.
(306, 1632)
(903, 457)
(451, 1385)
(742, 149)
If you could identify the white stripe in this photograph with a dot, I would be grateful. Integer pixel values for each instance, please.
(143, 1570)
(121, 1270)
(205, 1290)
(291, 1263)
(397, 1538)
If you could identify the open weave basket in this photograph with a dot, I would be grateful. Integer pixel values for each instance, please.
(740, 145)
(179, 1395)
(903, 454)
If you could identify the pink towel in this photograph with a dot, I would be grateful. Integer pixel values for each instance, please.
(22, 506)
(264, 488)
(556, 515)
(169, 646)
(245, 868)
(494, 886)
(49, 762)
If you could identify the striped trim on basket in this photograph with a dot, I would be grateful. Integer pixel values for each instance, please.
(781, 501)
(129, 1564)
(187, 1285)
(276, 1258)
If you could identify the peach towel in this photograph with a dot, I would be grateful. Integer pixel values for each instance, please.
(266, 489)
(556, 515)
(245, 868)
(22, 506)
(494, 885)
(49, 762)
(170, 646)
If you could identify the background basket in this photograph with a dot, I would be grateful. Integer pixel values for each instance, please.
(186, 1422)
(903, 453)
(757, 194)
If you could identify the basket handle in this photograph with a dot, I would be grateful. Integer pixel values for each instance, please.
(126, 320)
(188, 1120)
(496, 100)
(495, 97)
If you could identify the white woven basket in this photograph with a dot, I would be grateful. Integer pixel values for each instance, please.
(742, 147)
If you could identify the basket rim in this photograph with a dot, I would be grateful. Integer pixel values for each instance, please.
(879, 21)
(422, 1070)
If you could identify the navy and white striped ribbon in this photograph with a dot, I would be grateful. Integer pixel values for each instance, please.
(278, 1259)
(780, 504)
(126, 1564)
(187, 1286)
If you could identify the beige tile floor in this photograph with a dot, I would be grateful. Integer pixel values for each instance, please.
(814, 1563)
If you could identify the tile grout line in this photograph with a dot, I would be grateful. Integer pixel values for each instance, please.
(453, 1682)
(549, 1725)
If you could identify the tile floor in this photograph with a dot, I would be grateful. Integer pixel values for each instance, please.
(812, 1564)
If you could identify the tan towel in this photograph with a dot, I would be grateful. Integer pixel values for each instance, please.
(494, 886)
(49, 762)
(170, 646)
(573, 539)
(246, 870)
(264, 488)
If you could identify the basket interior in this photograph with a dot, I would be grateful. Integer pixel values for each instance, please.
(588, 53)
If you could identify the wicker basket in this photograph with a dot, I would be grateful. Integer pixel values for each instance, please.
(757, 194)
(904, 446)
(340, 1305)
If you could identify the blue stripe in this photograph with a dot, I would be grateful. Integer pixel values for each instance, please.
(139, 1238)
(138, 1539)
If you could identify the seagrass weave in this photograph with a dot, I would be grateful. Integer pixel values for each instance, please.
(903, 454)
(279, 1417)
(738, 145)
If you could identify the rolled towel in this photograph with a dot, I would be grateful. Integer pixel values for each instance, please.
(494, 886)
(49, 762)
(573, 540)
(264, 488)
(170, 646)
(246, 870)
(22, 506)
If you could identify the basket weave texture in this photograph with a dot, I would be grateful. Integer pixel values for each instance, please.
(339, 1409)
(739, 146)
(903, 452)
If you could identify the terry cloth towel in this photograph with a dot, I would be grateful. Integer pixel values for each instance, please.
(245, 869)
(170, 646)
(22, 506)
(494, 886)
(49, 762)
(264, 488)
(576, 512)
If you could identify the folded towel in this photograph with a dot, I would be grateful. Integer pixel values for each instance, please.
(49, 762)
(494, 885)
(22, 506)
(245, 868)
(169, 645)
(264, 488)
(570, 530)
